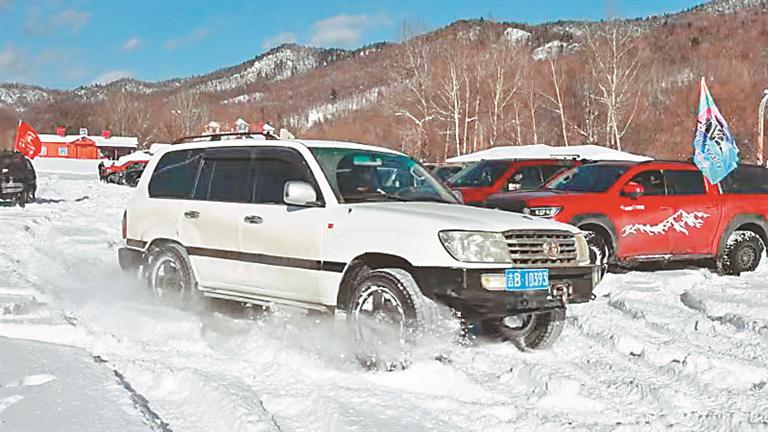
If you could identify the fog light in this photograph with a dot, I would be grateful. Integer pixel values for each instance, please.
(494, 282)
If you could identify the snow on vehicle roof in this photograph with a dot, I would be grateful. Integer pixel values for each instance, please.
(141, 155)
(261, 141)
(543, 151)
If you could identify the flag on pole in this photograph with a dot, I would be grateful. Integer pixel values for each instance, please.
(27, 141)
(715, 152)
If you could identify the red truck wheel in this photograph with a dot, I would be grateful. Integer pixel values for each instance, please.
(742, 253)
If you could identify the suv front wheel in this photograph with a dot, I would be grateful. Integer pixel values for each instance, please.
(169, 276)
(534, 331)
(387, 312)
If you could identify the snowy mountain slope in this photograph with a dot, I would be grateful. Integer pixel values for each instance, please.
(668, 350)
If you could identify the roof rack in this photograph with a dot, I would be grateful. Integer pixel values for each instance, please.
(225, 137)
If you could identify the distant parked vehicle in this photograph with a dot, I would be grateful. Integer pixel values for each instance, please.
(657, 211)
(118, 174)
(445, 171)
(478, 181)
(18, 181)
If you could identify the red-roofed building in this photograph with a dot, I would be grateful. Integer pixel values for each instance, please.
(84, 146)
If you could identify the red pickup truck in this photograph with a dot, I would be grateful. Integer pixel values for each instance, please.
(478, 181)
(657, 211)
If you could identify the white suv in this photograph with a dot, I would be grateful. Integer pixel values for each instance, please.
(336, 226)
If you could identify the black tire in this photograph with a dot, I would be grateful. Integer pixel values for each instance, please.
(388, 313)
(170, 278)
(21, 199)
(537, 331)
(742, 253)
(599, 251)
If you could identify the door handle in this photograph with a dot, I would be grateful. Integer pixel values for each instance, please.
(253, 220)
(191, 214)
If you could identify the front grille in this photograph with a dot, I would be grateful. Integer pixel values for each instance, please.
(532, 247)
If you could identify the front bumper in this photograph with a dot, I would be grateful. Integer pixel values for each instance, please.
(462, 290)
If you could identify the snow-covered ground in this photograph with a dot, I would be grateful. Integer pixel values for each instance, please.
(667, 350)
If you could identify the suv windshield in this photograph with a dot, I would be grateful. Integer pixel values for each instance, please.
(588, 178)
(370, 176)
(481, 174)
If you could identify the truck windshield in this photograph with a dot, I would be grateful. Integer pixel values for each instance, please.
(481, 174)
(588, 178)
(370, 176)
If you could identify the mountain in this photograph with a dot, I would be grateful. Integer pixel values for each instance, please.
(367, 94)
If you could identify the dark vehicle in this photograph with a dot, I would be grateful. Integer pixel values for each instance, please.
(131, 176)
(445, 171)
(479, 181)
(18, 181)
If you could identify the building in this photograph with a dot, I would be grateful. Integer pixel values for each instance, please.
(84, 146)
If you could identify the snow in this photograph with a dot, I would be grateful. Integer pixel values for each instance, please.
(516, 36)
(551, 50)
(666, 350)
(543, 151)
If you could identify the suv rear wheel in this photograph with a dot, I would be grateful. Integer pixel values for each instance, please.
(529, 332)
(388, 312)
(169, 276)
(742, 253)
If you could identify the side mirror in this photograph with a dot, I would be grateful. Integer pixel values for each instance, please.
(299, 193)
(632, 190)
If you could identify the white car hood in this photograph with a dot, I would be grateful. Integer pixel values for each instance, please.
(439, 216)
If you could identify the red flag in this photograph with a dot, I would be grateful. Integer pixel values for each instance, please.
(27, 141)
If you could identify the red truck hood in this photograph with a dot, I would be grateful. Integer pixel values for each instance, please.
(516, 201)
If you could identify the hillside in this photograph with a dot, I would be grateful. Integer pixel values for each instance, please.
(463, 87)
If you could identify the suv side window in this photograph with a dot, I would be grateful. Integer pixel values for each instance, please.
(226, 176)
(652, 182)
(684, 182)
(525, 178)
(174, 176)
(746, 179)
(274, 168)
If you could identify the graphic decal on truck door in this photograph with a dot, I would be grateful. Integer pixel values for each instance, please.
(680, 222)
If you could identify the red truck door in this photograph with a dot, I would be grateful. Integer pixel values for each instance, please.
(697, 210)
(643, 222)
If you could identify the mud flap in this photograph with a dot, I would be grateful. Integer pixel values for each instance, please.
(130, 259)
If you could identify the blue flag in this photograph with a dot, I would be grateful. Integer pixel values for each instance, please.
(715, 152)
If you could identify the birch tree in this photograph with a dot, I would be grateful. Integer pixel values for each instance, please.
(556, 99)
(414, 103)
(613, 59)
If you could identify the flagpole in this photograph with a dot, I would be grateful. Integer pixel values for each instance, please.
(16, 140)
(761, 129)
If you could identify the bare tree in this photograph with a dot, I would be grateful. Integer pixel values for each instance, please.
(127, 113)
(557, 99)
(504, 67)
(415, 103)
(614, 62)
(188, 113)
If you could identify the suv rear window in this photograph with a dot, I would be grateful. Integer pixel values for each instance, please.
(684, 182)
(746, 179)
(174, 176)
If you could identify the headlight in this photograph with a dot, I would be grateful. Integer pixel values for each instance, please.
(479, 247)
(582, 249)
(542, 212)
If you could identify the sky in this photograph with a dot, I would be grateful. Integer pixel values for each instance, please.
(65, 44)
